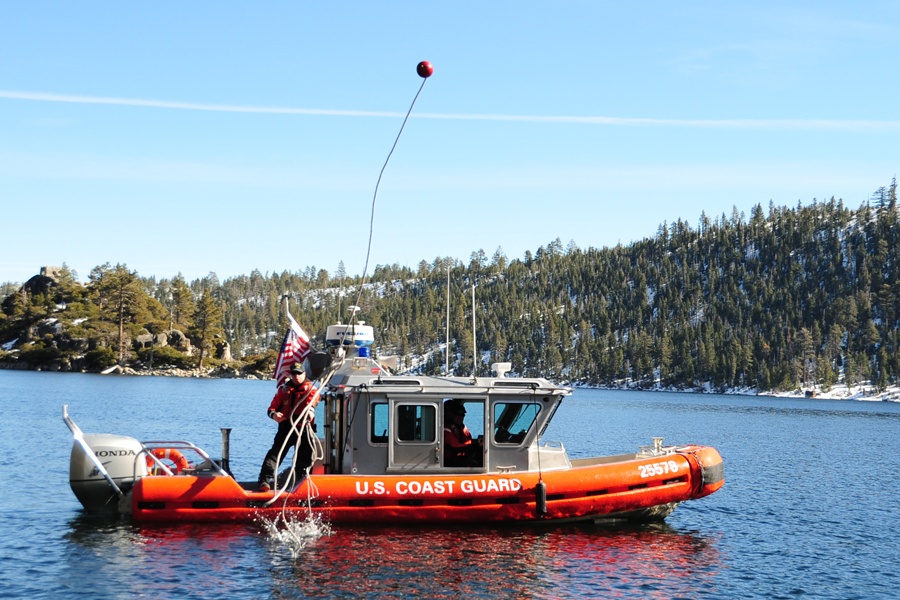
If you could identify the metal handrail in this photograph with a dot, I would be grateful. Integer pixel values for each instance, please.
(180, 445)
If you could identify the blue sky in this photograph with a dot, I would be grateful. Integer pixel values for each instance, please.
(225, 137)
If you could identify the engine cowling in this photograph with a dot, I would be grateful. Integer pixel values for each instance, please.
(121, 457)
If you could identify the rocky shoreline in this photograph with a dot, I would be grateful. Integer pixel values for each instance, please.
(219, 372)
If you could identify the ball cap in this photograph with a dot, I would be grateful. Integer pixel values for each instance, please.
(454, 407)
(297, 368)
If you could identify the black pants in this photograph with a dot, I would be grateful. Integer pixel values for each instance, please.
(303, 448)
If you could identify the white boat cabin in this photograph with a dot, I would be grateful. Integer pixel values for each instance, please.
(378, 423)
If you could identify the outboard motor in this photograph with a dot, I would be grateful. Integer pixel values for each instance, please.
(103, 467)
(117, 454)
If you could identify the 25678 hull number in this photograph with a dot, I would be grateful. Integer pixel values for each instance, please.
(660, 468)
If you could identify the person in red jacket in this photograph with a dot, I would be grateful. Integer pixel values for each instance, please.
(460, 450)
(289, 402)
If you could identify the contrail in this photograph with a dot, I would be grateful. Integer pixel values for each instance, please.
(42, 97)
(849, 125)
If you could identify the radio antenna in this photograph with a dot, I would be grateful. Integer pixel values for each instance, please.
(447, 327)
(474, 344)
(425, 70)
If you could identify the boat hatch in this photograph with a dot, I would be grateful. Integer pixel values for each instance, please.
(517, 384)
(397, 381)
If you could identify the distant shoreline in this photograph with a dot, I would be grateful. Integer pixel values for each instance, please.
(220, 372)
(862, 393)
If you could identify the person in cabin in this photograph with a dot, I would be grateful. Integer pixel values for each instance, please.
(289, 402)
(460, 450)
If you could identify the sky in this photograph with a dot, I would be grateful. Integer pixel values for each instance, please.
(223, 137)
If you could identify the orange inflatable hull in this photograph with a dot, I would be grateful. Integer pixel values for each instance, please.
(611, 488)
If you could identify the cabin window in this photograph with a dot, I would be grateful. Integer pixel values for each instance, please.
(473, 415)
(513, 421)
(416, 423)
(378, 424)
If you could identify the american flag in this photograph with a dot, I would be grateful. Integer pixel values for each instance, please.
(295, 349)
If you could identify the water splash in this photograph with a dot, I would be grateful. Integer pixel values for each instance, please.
(294, 533)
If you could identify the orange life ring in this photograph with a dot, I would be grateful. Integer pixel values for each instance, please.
(170, 454)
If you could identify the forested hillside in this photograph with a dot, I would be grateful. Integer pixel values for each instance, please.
(779, 299)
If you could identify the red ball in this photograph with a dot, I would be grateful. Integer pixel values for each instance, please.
(424, 69)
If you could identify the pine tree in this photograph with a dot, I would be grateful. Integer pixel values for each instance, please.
(183, 306)
(207, 324)
(121, 300)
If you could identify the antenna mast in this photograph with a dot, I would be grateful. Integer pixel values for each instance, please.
(447, 328)
(474, 345)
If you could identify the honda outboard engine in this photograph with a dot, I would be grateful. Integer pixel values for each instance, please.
(119, 455)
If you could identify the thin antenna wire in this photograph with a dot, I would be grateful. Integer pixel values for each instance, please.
(375, 195)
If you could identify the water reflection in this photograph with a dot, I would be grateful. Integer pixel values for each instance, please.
(652, 561)
(187, 560)
(106, 542)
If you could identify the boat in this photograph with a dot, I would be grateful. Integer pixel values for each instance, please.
(382, 458)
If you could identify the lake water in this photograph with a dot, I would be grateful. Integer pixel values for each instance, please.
(809, 507)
